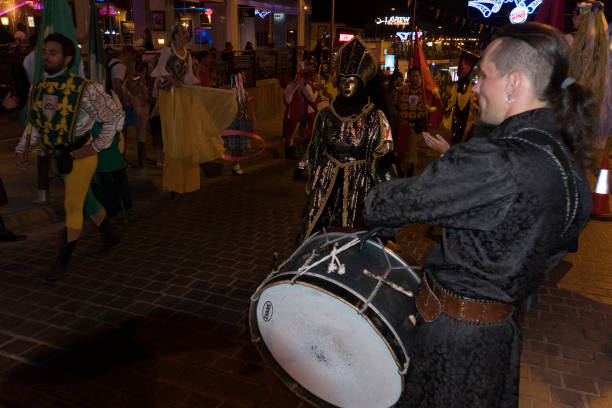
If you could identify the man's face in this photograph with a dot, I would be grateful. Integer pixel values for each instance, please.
(491, 89)
(349, 86)
(414, 77)
(53, 58)
(464, 69)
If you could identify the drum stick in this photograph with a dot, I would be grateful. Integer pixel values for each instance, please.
(395, 286)
(369, 235)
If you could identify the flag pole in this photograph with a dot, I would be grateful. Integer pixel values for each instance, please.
(414, 33)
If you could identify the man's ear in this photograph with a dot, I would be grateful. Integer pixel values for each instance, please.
(67, 61)
(514, 83)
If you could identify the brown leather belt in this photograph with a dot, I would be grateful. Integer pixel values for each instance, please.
(431, 300)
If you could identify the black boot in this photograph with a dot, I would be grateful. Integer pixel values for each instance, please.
(109, 238)
(59, 269)
(142, 157)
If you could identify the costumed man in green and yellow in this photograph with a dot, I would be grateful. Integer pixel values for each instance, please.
(63, 108)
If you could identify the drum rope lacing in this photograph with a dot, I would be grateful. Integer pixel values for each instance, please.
(307, 265)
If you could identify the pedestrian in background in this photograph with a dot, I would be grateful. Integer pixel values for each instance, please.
(207, 75)
(175, 69)
(9, 102)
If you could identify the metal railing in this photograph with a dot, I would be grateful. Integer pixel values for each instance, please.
(255, 65)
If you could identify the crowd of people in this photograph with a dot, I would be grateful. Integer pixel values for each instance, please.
(83, 126)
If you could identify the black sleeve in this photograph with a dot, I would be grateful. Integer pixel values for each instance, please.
(470, 187)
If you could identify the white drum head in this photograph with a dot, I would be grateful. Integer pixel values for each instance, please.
(327, 347)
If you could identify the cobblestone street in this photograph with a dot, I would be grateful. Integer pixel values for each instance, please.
(161, 322)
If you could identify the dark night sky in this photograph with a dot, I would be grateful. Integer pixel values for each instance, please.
(362, 11)
(357, 13)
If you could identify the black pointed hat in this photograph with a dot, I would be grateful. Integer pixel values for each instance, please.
(354, 59)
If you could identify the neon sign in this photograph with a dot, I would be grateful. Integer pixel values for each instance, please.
(518, 14)
(403, 36)
(14, 8)
(262, 13)
(346, 37)
(394, 20)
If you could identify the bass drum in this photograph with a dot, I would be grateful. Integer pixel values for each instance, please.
(335, 321)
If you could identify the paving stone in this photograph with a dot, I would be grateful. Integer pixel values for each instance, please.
(567, 397)
(17, 346)
(28, 328)
(577, 354)
(535, 390)
(546, 376)
(564, 365)
(579, 383)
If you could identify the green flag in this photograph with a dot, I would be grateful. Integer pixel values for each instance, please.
(56, 19)
(96, 66)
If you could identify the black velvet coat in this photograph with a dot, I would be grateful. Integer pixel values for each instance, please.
(508, 215)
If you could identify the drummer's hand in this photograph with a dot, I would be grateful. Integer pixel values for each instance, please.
(379, 231)
(389, 232)
(437, 142)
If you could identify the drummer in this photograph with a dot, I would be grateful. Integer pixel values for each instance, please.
(504, 227)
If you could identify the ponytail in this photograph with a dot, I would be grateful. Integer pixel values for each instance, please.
(576, 112)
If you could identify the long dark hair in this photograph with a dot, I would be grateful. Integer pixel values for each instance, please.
(541, 53)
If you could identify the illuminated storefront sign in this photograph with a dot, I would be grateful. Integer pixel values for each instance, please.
(346, 37)
(393, 20)
(403, 36)
(107, 10)
(262, 13)
(518, 14)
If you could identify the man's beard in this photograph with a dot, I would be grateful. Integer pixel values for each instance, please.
(52, 70)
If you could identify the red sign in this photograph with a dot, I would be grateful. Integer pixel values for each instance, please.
(346, 37)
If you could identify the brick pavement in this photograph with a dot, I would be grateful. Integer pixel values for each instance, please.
(161, 323)
(591, 274)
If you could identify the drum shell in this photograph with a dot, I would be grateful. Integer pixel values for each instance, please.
(387, 311)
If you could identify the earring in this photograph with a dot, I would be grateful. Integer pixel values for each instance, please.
(509, 100)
